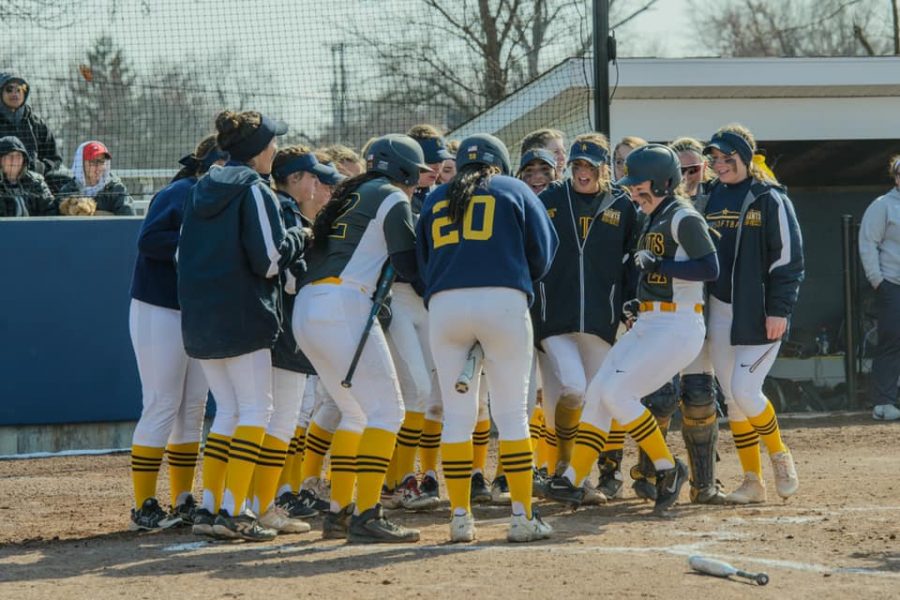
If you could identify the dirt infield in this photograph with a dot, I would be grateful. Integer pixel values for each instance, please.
(63, 535)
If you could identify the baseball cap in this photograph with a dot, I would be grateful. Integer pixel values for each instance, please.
(540, 154)
(258, 140)
(303, 162)
(590, 152)
(730, 143)
(435, 150)
(333, 177)
(93, 150)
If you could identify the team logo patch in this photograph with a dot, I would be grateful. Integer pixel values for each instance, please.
(551, 212)
(473, 155)
(472, 149)
(382, 164)
(611, 217)
(753, 218)
(584, 147)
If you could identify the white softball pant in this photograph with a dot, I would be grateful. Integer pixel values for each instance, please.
(242, 387)
(173, 387)
(287, 394)
(325, 412)
(740, 370)
(408, 340)
(498, 318)
(328, 322)
(572, 360)
(658, 346)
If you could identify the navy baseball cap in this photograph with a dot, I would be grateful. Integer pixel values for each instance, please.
(435, 150)
(333, 177)
(730, 143)
(303, 162)
(590, 152)
(257, 141)
(540, 154)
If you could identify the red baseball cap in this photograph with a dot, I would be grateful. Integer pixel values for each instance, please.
(94, 149)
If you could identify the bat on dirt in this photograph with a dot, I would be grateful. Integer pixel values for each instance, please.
(720, 568)
(378, 302)
(473, 361)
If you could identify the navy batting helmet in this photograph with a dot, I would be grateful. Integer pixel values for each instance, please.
(397, 156)
(485, 149)
(655, 163)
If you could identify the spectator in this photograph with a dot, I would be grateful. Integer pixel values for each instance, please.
(879, 250)
(23, 193)
(17, 118)
(94, 179)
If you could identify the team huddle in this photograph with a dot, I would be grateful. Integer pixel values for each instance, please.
(580, 298)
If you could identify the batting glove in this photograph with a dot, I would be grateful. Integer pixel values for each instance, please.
(647, 261)
(630, 310)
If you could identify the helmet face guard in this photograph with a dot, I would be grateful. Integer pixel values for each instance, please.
(484, 149)
(655, 163)
(398, 157)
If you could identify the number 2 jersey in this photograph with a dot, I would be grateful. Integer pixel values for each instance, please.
(674, 230)
(505, 239)
(376, 223)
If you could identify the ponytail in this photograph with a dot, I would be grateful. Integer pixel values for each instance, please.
(463, 185)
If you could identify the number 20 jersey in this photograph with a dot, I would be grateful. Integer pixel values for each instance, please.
(505, 239)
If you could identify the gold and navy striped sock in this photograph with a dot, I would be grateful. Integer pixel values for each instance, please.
(589, 443)
(456, 459)
(145, 463)
(269, 466)
(344, 449)
(616, 439)
(645, 431)
(215, 460)
(430, 445)
(746, 442)
(552, 449)
(372, 459)
(407, 443)
(246, 444)
(567, 420)
(318, 441)
(766, 425)
(182, 459)
(515, 456)
(480, 439)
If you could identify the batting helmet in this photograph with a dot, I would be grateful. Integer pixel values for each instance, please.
(655, 163)
(485, 149)
(397, 156)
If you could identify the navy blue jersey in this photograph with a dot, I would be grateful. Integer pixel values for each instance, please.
(505, 239)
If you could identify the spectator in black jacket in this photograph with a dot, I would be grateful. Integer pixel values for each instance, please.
(23, 193)
(93, 178)
(17, 118)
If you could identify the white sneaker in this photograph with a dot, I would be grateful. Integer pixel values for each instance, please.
(592, 496)
(786, 480)
(751, 491)
(523, 529)
(886, 412)
(277, 518)
(462, 528)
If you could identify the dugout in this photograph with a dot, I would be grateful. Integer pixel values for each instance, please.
(827, 126)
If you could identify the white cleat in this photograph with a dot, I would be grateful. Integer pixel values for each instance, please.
(786, 480)
(523, 529)
(751, 491)
(462, 528)
(886, 412)
(277, 518)
(592, 496)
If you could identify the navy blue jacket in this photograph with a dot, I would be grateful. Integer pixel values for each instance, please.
(768, 263)
(287, 354)
(505, 240)
(232, 249)
(155, 280)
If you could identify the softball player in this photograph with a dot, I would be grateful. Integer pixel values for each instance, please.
(483, 239)
(367, 223)
(232, 250)
(761, 252)
(173, 387)
(537, 169)
(675, 255)
(595, 223)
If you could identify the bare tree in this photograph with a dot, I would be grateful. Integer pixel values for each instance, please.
(794, 27)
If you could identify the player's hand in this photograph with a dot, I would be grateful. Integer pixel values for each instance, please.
(630, 310)
(775, 327)
(646, 261)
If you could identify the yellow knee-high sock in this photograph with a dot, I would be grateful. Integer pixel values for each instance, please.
(515, 455)
(589, 443)
(746, 441)
(318, 441)
(567, 420)
(392, 477)
(766, 425)
(407, 443)
(182, 459)
(285, 479)
(215, 460)
(616, 439)
(429, 445)
(372, 459)
(145, 463)
(344, 448)
(552, 449)
(269, 467)
(645, 431)
(457, 461)
(245, 448)
(535, 425)
(480, 439)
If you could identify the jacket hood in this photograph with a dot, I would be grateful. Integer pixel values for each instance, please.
(219, 187)
(11, 143)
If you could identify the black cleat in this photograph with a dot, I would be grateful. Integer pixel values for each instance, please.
(336, 524)
(311, 499)
(480, 492)
(186, 511)
(644, 489)
(244, 526)
(295, 507)
(151, 516)
(203, 523)
(668, 485)
(371, 527)
(560, 489)
(429, 487)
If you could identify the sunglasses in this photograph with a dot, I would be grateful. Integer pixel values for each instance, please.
(690, 170)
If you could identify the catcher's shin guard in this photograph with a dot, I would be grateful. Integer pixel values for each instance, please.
(701, 432)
